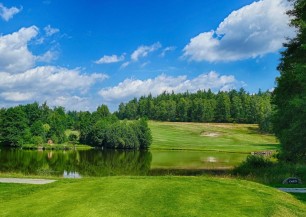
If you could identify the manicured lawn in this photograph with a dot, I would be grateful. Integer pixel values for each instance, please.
(242, 138)
(147, 196)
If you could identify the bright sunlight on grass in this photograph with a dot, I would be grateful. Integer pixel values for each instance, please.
(147, 196)
(243, 138)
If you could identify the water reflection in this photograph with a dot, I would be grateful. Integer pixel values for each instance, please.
(195, 160)
(74, 175)
(75, 164)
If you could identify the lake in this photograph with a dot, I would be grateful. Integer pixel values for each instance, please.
(95, 163)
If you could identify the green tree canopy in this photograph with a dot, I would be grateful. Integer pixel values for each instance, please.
(290, 94)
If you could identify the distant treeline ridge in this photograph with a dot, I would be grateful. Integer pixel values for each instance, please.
(202, 106)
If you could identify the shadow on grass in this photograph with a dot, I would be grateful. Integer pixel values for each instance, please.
(254, 130)
(189, 172)
(272, 147)
(301, 197)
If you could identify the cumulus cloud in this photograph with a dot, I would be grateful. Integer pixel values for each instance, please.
(76, 103)
(50, 31)
(143, 51)
(15, 55)
(22, 81)
(49, 79)
(48, 57)
(49, 83)
(8, 13)
(110, 59)
(17, 96)
(252, 31)
(130, 88)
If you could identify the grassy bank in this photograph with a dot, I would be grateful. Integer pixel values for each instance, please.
(242, 138)
(65, 146)
(147, 196)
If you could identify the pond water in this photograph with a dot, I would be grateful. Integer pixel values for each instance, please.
(77, 164)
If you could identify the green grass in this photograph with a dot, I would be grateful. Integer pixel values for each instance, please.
(147, 196)
(64, 146)
(242, 138)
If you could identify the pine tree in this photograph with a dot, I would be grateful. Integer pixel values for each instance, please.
(290, 93)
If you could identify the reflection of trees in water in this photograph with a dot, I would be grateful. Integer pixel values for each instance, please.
(86, 163)
(114, 162)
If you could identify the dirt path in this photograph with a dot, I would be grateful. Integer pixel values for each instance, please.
(26, 181)
(293, 190)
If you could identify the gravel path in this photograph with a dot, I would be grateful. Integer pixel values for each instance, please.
(293, 190)
(26, 181)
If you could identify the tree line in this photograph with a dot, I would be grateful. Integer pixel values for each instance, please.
(203, 106)
(38, 124)
(32, 123)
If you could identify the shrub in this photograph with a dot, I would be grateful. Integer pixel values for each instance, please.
(252, 162)
(37, 140)
(73, 138)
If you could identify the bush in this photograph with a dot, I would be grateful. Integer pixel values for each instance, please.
(263, 170)
(73, 138)
(37, 140)
(252, 162)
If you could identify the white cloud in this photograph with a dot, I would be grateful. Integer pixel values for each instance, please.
(252, 31)
(48, 57)
(46, 82)
(110, 59)
(15, 55)
(22, 81)
(8, 13)
(50, 31)
(131, 88)
(143, 51)
(124, 65)
(17, 96)
(49, 79)
(145, 64)
(72, 102)
(166, 50)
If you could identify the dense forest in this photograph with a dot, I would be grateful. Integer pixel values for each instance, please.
(202, 106)
(38, 124)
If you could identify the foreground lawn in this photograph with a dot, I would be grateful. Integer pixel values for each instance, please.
(147, 196)
(242, 138)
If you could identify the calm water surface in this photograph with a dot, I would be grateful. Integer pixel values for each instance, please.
(77, 164)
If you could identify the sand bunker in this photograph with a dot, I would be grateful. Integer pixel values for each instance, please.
(210, 134)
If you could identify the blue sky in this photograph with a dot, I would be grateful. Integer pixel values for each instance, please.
(80, 54)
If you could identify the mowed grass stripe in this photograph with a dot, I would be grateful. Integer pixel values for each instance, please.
(148, 196)
(243, 138)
